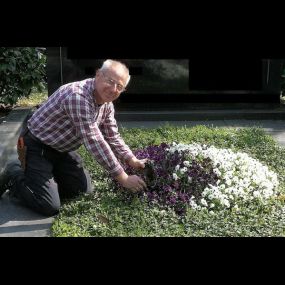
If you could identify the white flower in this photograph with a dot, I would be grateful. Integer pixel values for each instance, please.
(256, 194)
(236, 207)
(204, 202)
(240, 177)
(217, 171)
(186, 163)
(175, 177)
(211, 196)
(228, 182)
(183, 170)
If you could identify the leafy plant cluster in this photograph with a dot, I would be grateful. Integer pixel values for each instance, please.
(165, 186)
(107, 212)
(21, 69)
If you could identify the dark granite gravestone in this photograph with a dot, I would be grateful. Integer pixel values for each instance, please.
(203, 80)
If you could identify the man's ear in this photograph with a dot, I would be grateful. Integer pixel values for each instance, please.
(97, 72)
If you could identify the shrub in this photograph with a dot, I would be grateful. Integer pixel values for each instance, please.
(21, 69)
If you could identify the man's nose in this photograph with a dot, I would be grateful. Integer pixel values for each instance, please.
(114, 86)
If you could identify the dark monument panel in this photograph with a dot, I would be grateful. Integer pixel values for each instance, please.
(171, 80)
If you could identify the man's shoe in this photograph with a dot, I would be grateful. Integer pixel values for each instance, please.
(7, 177)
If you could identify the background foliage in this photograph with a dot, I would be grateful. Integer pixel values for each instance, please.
(21, 69)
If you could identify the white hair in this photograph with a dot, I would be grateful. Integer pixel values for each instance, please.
(107, 64)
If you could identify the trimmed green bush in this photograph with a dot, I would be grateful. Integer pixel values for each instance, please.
(21, 69)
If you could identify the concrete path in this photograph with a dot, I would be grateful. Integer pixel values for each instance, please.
(18, 221)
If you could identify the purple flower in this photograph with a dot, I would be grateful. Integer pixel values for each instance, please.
(162, 187)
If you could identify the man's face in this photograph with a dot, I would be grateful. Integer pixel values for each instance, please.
(110, 84)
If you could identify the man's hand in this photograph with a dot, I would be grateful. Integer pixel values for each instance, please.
(131, 182)
(137, 163)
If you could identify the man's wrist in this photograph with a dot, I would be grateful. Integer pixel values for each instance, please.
(122, 177)
(132, 161)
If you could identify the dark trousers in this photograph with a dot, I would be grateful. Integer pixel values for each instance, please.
(49, 177)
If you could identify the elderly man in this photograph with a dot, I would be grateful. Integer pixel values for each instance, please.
(77, 113)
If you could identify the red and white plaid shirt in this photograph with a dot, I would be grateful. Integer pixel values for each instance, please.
(71, 117)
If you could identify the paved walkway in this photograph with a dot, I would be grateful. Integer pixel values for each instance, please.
(18, 221)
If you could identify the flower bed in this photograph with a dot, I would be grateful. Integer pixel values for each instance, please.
(204, 177)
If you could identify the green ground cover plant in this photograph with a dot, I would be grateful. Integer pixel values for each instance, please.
(111, 211)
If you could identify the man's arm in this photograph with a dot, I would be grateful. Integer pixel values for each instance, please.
(113, 137)
(83, 116)
(84, 119)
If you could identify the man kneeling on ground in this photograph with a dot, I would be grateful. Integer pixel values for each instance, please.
(77, 113)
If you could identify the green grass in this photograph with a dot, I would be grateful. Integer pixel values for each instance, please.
(34, 99)
(106, 213)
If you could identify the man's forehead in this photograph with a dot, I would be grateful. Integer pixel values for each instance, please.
(117, 72)
(117, 67)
